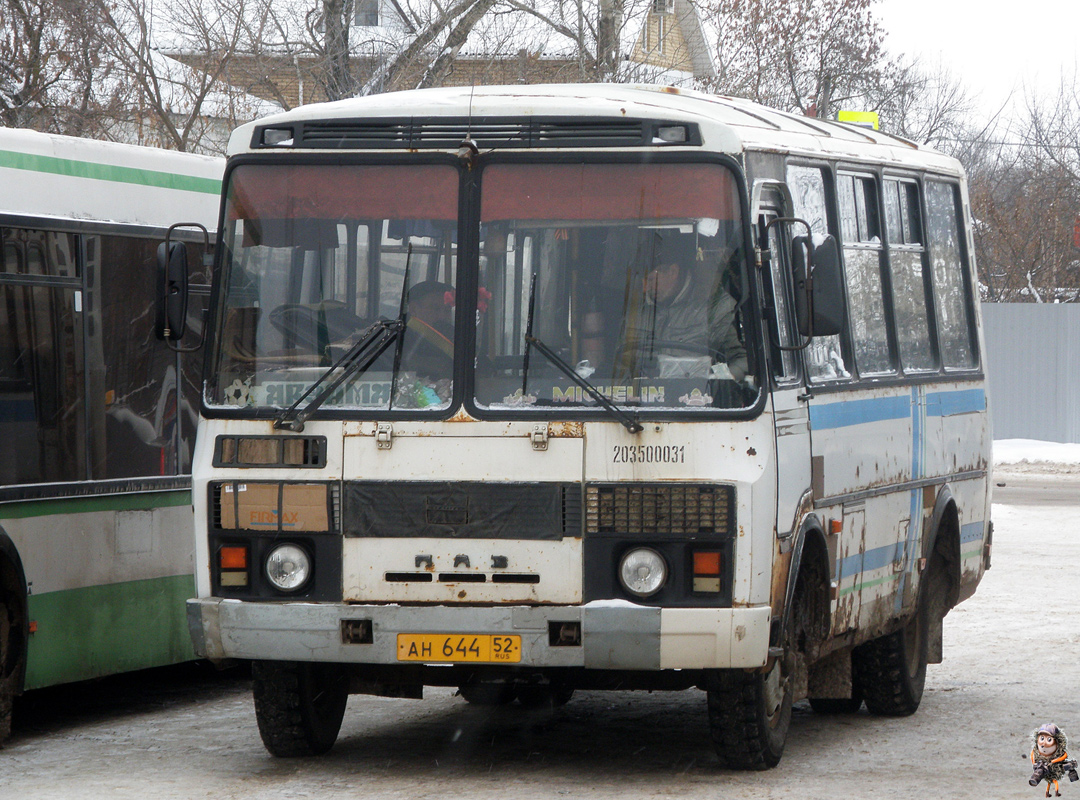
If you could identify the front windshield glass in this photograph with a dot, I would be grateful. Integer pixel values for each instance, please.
(316, 254)
(633, 275)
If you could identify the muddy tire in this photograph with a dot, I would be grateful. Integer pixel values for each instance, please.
(750, 711)
(299, 706)
(891, 670)
(488, 694)
(749, 716)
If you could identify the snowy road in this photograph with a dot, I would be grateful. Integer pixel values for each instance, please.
(1012, 661)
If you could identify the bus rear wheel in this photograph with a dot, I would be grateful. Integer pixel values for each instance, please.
(299, 706)
(891, 670)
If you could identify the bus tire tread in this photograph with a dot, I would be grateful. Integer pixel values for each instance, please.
(298, 706)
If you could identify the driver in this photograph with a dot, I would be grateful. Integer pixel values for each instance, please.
(429, 339)
(676, 311)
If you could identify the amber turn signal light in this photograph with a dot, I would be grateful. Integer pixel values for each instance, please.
(706, 571)
(233, 557)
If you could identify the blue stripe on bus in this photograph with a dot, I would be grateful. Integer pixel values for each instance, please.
(971, 532)
(857, 412)
(884, 556)
(947, 404)
(873, 559)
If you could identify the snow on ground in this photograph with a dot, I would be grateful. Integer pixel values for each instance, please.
(1032, 456)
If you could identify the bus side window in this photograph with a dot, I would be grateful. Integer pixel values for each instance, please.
(784, 364)
(42, 375)
(950, 285)
(907, 252)
(824, 356)
(861, 232)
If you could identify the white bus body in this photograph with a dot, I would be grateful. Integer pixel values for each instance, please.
(97, 417)
(761, 515)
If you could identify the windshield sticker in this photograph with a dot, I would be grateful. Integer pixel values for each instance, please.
(616, 394)
(284, 393)
(696, 399)
(518, 399)
(238, 393)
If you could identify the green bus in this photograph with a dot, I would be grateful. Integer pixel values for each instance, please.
(97, 416)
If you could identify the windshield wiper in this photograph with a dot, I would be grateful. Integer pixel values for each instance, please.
(531, 341)
(371, 344)
(627, 421)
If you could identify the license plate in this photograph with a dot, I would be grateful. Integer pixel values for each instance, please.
(457, 647)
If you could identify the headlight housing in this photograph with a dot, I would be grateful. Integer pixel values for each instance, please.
(643, 571)
(288, 567)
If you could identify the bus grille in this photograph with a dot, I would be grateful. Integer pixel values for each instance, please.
(461, 510)
(677, 509)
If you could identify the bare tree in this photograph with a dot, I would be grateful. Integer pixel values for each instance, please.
(1025, 199)
(928, 105)
(1054, 126)
(177, 64)
(810, 56)
(53, 75)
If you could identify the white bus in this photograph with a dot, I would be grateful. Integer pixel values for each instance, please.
(531, 389)
(97, 417)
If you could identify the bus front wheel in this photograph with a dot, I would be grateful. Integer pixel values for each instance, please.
(299, 706)
(750, 711)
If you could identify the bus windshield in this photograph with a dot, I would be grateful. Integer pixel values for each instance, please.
(314, 256)
(630, 275)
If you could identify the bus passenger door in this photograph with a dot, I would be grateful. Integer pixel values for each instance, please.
(790, 413)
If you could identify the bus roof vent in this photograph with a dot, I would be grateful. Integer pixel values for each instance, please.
(447, 133)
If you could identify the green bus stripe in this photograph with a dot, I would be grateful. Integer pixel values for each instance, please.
(141, 501)
(102, 630)
(867, 585)
(108, 172)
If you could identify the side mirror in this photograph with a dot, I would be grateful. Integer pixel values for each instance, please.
(171, 294)
(172, 290)
(819, 286)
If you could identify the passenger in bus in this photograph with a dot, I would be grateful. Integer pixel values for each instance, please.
(429, 336)
(687, 329)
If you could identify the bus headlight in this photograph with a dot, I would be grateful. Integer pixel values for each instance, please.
(288, 567)
(643, 571)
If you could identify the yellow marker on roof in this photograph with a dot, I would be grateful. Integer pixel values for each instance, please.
(867, 119)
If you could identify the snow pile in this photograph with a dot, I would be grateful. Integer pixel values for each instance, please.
(1035, 456)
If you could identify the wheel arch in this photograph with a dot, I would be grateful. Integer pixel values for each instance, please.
(810, 558)
(13, 583)
(943, 540)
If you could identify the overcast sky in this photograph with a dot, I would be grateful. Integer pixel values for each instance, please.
(994, 46)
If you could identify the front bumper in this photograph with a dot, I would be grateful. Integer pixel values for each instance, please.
(614, 635)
